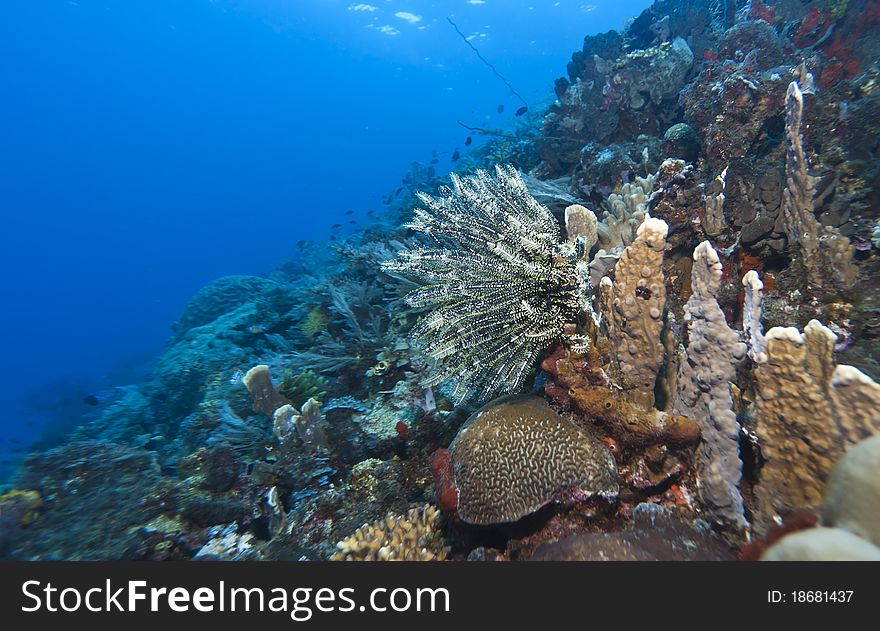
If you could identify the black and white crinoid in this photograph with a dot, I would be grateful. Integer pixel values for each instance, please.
(496, 289)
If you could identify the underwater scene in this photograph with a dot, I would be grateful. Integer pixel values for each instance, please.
(462, 280)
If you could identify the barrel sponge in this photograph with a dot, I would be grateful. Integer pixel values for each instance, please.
(411, 537)
(852, 496)
(822, 544)
(517, 454)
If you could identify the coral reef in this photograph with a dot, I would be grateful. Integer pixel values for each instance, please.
(714, 166)
(223, 296)
(258, 382)
(631, 89)
(635, 300)
(730, 105)
(752, 35)
(626, 212)
(18, 509)
(226, 544)
(76, 482)
(753, 329)
(308, 424)
(578, 383)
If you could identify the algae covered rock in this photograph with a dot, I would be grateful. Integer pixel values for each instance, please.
(755, 37)
(822, 544)
(514, 456)
(852, 495)
(656, 535)
(850, 512)
(223, 296)
(18, 509)
(95, 496)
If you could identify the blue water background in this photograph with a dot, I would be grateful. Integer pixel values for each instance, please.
(150, 146)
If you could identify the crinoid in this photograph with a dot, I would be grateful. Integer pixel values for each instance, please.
(497, 288)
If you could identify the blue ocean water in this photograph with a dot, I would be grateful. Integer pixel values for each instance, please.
(150, 146)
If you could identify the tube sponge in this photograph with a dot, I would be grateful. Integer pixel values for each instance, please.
(808, 412)
(636, 298)
(713, 354)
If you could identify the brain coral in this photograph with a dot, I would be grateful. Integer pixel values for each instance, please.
(410, 537)
(514, 456)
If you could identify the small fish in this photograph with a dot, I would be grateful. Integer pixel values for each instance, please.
(352, 221)
(91, 399)
(710, 55)
(336, 226)
(434, 161)
(468, 141)
(455, 155)
(349, 212)
(371, 212)
(501, 108)
(521, 110)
